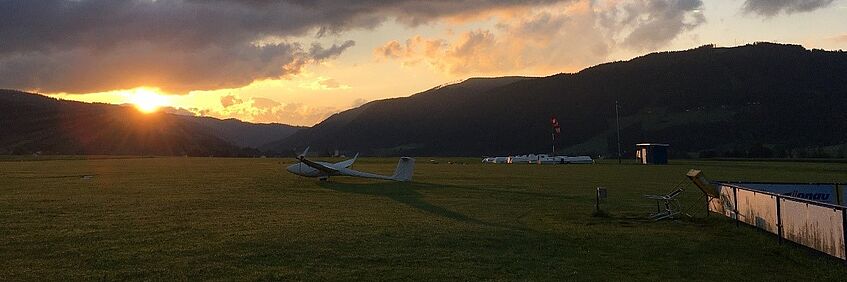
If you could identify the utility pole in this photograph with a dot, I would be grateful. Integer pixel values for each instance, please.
(618, 125)
(554, 143)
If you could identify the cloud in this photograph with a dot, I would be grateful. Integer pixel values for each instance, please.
(358, 102)
(261, 109)
(329, 83)
(414, 47)
(322, 83)
(564, 36)
(264, 103)
(319, 53)
(770, 8)
(172, 70)
(230, 100)
(178, 46)
(178, 111)
(655, 23)
(340, 15)
(390, 50)
(295, 113)
(838, 38)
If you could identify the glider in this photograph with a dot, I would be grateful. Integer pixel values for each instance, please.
(323, 170)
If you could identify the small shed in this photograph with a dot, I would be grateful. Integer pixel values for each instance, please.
(651, 153)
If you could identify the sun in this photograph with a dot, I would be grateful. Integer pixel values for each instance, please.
(147, 100)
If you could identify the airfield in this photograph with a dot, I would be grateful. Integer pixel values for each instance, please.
(223, 218)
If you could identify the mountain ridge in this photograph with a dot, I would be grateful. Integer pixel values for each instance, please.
(755, 100)
(34, 123)
(699, 100)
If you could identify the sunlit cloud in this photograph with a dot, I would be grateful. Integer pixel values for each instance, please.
(230, 100)
(230, 103)
(323, 83)
(359, 102)
(563, 37)
(838, 38)
(266, 110)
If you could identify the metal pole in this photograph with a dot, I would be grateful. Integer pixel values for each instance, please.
(735, 206)
(779, 219)
(708, 202)
(553, 135)
(618, 126)
(597, 198)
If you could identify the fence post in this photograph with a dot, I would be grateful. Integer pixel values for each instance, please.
(844, 231)
(779, 219)
(735, 206)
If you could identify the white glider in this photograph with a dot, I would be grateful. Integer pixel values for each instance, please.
(323, 170)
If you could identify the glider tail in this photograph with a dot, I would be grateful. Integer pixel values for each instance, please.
(405, 169)
(303, 155)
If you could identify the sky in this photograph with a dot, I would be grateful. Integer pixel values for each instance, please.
(298, 62)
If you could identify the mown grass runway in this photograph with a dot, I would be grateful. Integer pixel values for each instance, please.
(214, 218)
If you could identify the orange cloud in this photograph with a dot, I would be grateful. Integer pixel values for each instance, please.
(390, 49)
(556, 38)
(264, 110)
(838, 39)
(229, 100)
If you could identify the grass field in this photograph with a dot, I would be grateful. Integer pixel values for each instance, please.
(212, 218)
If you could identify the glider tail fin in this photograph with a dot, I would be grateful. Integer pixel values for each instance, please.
(303, 155)
(405, 169)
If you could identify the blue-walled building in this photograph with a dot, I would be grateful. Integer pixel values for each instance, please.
(652, 153)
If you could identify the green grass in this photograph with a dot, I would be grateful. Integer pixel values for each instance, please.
(211, 218)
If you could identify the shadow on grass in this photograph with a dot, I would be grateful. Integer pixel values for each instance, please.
(407, 193)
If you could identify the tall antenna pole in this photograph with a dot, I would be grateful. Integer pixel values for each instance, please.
(618, 125)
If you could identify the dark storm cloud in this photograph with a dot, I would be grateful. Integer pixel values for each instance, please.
(318, 52)
(183, 45)
(341, 14)
(770, 8)
(175, 70)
